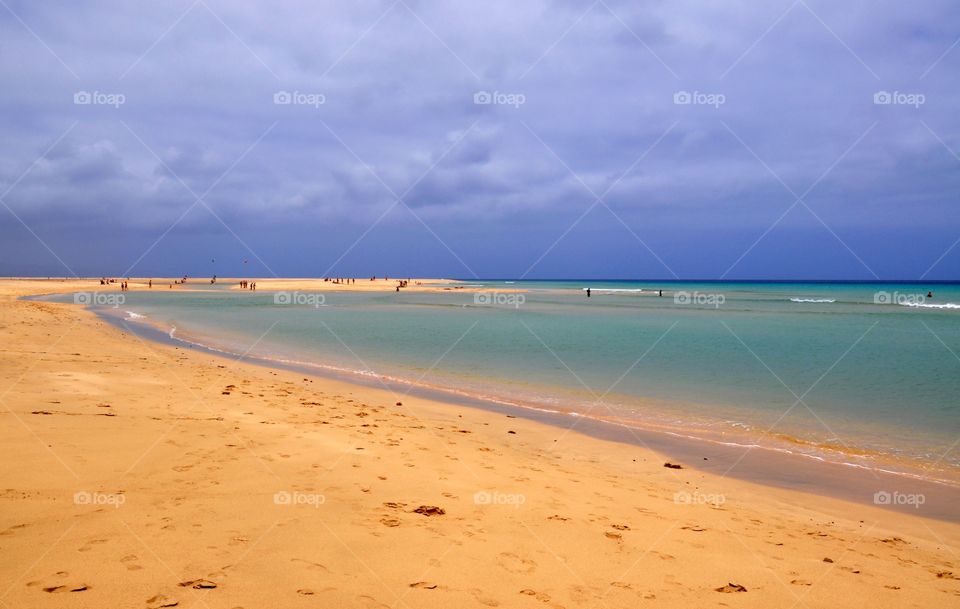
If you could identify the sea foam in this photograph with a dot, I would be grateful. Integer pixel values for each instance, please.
(927, 305)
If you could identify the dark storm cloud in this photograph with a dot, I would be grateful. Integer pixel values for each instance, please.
(577, 100)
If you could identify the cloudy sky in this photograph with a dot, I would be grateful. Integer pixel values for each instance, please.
(538, 139)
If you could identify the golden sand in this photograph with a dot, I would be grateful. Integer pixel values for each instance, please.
(142, 475)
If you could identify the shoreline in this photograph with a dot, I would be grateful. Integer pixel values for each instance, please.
(763, 464)
(836, 473)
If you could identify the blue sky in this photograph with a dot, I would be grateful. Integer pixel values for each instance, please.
(789, 139)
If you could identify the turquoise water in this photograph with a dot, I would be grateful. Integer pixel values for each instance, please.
(865, 373)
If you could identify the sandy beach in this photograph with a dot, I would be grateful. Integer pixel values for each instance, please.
(143, 475)
(264, 284)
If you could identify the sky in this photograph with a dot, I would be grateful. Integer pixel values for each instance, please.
(800, 139)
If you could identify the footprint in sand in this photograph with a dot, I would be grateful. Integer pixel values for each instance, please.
(159, 601)
(68, 588)
(13, 529)
(130, 562)
(371, 603)
(198, 584)
(540, 596)
(89, 545)
(483, 599)
(57, 583)
(311, 565)
(516, 564)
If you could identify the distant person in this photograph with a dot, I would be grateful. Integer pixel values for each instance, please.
(588, 292)
(150, 283)
(661, 293)
(929, 294)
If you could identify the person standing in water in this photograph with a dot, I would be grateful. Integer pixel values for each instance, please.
(588, 292)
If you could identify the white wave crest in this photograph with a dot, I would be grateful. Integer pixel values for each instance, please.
(927, 305)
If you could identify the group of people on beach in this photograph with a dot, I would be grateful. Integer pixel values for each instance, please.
(248, 285)
(123, 283)
(351, 280)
